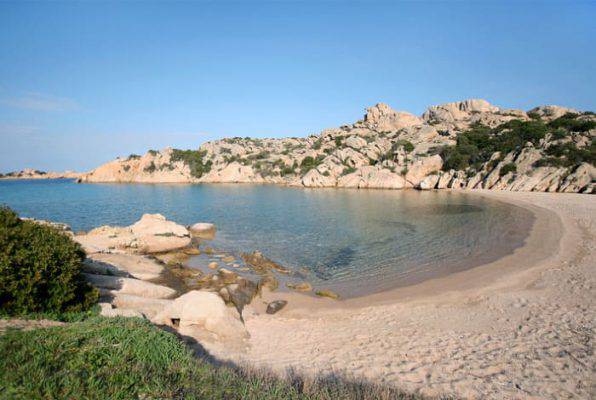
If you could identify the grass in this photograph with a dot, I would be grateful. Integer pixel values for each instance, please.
(128, 358)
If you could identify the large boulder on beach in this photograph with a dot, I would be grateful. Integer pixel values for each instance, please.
(202, 315)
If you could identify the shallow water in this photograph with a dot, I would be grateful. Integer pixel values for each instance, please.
(353, 241)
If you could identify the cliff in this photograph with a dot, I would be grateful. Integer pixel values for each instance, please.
(468, 144)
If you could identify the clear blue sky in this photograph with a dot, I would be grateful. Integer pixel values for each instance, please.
(83, 83)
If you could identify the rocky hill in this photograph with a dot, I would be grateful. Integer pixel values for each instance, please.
(468, 144)
(36, 174)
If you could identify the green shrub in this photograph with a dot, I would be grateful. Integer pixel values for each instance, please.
(534, 115)
(406, 144)
(151, 168)
(507, 168)
(348, 170)
(194, 160)
(479, 143)
(40, 269)
(309, 163)
(133, 157)
(569, 155)
(570, 122)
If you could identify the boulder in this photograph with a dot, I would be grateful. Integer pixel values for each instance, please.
(147, 306)
(241, 293)
(579, 179)
(202, 315)
(276, 306)
(457, 111)
(203, 230)
(108, 310)
(381, 117)
(156, 234)
(355, 142)
(444, 179)
(121, 285)
(430, 182)
(232, 173)
(151, 234)
(127, 265)
(373, 178)
(422, 167)
(552, 112)
(314, 178)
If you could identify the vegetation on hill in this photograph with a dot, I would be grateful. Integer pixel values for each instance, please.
(478, 144)
(128, 358)
(40, 269)
(194, 159)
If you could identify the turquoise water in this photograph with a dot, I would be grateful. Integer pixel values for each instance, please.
(352, 241)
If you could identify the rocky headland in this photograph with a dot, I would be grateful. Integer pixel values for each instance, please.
(463, 145)
(29, 173)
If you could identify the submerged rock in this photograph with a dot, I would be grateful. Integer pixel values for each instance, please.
(261, 264)
(300, 287)
(270, 282)
(327, 293)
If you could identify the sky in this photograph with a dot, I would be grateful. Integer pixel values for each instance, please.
(83, 83)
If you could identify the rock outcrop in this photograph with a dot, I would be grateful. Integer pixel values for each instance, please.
(204, 316)
(391, 149)
(151, 234)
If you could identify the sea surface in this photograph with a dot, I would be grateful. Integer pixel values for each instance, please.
(355, 242)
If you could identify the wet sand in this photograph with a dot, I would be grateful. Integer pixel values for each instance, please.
(519, 327)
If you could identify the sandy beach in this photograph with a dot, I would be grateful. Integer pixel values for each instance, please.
(520, 327)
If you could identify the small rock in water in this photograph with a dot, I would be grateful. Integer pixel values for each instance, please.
(261, 264)
(270, 282)
(213, 265)
(228, 259)
(327, 293)
(227, 276)
(192, 251)
(300, 287)
(275, 306)
(203, 230)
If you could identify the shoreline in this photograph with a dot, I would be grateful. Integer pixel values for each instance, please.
(535, 246)
(519, 327)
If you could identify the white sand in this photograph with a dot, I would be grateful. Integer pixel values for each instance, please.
(520, 327)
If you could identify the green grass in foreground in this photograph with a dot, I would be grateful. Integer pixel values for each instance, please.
(128, 358)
